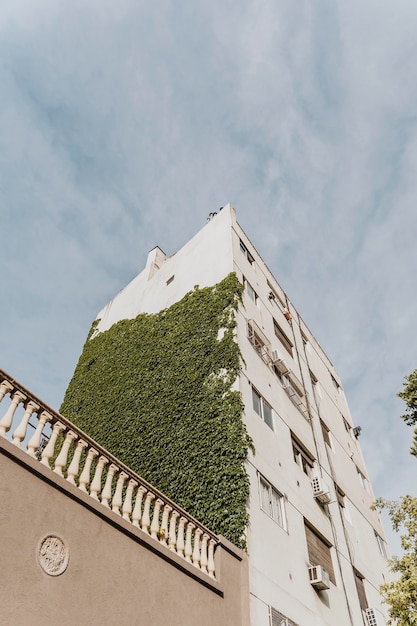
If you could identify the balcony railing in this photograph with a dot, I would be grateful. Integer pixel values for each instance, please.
(59, 445)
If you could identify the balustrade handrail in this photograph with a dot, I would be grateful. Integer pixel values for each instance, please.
(175, 520)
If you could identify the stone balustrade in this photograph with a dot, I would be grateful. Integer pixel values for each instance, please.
(59, 445)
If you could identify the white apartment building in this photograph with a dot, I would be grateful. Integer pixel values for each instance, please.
(317, 552)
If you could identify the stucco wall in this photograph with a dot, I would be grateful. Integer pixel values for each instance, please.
(116, 574)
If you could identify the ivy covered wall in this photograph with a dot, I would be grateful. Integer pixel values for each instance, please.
(156, 391)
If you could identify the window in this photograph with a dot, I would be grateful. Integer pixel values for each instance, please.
(341, 500)
(362, 479)
(246, 252)
(360, 587)
(262, 408)
(283, 338)
(319, 551)
(304, 338)
(348, 427)
(250, 291)
(272, 502)
(303, 459)
(381, 545)
(316, 388)
(335, 383)
(170, 279)
(258, 340)
(326, 434)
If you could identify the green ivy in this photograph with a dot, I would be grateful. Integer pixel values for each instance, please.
(157, 392)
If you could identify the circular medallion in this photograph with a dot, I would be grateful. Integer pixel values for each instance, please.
(53, 555)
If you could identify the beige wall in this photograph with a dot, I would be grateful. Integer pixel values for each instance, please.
(116, 574)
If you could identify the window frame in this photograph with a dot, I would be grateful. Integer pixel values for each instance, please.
(252, 295)
(269, 421)
(302, 457)
(244, 250)
(283, 338)
(326, 434)
(275, 508)
(362, 479)
(381, 545)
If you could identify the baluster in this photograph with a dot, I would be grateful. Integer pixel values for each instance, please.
(137, 511)
(61, 459)
(84, 479)
(106, 493)
(20, 432)
(95, 486)
(146, 520)
(5, 387)
(204, 560)
(74, 466)
(50, 447)
(172, 542)
(163, 531)
(196, 551)
(117, 498)
(180, 536)
(210, 564)
(188, 544)
(127, 504)
(7, 420)
(155, 519)
(34, 441)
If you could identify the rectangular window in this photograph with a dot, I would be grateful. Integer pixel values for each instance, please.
(326, 434)
(258, 340)
(316, 388)
(283, 338)
(170, 279)
(348, 427)
(341, 500)
(335, 383)
(272, 502)
(381, 545)
(262, 408)
(360, 587)
(246, 252)
(362, 479)
(250, 291)
(319, 551)
(303, 459)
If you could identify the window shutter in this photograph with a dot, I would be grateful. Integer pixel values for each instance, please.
(319, 552)
(361, 590)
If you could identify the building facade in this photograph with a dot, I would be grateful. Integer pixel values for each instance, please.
(317, 551)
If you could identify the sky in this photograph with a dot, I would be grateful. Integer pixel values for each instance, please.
(123, 125)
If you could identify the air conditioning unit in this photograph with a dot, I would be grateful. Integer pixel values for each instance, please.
(320, 490)
(374, 617)
(319, 577)
(279, 362)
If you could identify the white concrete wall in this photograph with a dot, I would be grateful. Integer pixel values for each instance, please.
(278, 557)
(204, 260)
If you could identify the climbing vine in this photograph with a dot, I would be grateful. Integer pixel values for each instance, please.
(157, 392)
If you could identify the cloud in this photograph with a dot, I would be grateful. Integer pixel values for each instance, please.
(123, 125)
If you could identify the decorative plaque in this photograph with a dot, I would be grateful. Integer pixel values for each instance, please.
(53, 555)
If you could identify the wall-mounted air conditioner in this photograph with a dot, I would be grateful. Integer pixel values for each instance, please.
(373, 617)
(279, 361)
(319, 577)
(320, 490)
